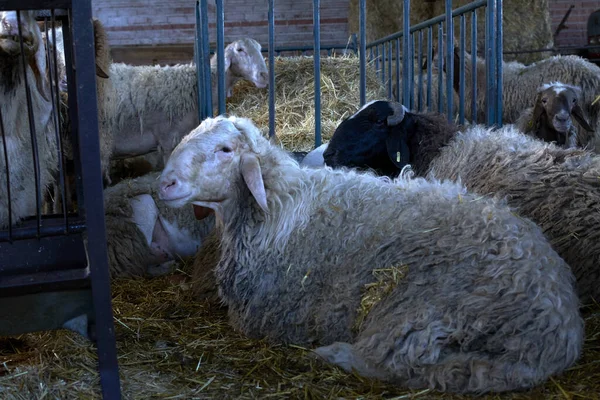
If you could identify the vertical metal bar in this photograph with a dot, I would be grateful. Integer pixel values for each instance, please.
(383, 64)
(429, 65)
(317, 61)
(32, 131)
(461, 74)
(362, 23)
(198, 56)
(7, 170)
(398, 98)
(449, 58)
(87, 110)
(411, 66)
(53, 62)
(405, 53)
(499, 61)
(377, 70)
(420, 65)
(205, 43)
(271, 17)
(390, 55)
(440, 67)
(221, 55)
(474, 66)
(489, 62)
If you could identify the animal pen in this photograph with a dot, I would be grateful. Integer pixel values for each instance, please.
(171, 345)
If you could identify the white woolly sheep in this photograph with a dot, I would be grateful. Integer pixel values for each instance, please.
(520, 84)
(475, 300)
(550, 117)
(557, 188)
(158, 105)
(16, 136)
(144, 237)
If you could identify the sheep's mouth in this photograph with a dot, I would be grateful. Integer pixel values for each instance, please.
(201, 212)
(11, 44)
(261, 84)
(561, 127)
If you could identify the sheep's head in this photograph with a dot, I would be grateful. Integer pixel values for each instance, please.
(555, 104)
(363, 139)
(211, 163)
(246, 61)
(31, 38)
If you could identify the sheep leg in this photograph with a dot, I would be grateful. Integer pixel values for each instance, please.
(346, 357)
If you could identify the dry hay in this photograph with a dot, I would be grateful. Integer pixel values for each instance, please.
(172, 347)
(526, 23)
(294, 98)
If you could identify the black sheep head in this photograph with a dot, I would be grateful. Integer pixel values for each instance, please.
(374, 138)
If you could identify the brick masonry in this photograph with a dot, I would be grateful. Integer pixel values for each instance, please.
(576, 32)
(153, 31)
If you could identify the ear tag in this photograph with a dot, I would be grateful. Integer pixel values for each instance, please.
(397, 156)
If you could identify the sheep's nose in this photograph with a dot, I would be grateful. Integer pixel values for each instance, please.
(562, 117)
(168, 186)
(264, 75)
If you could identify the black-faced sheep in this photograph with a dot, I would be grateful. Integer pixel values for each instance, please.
(557, 188)
(550, 119)
(157, 105)
(15, 137)
(473, 298)
(144, 237)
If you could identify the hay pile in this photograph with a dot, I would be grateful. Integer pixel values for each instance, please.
(526, 23)
(171, 347)
(294, 98)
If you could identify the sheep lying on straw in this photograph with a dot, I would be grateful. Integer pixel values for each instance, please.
(521, 82)
(413, 281)
(551, 117)
(557, 188)
(144, 236)
(16, 145)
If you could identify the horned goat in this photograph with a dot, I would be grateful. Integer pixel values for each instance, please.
(16, 144)
(304, 251)
(556, 188)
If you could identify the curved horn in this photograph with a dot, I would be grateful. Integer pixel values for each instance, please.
(398, 114)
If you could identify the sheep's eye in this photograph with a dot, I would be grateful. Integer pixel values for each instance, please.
(240, 49)
(226, 149)
(544, 101)
(574, 101)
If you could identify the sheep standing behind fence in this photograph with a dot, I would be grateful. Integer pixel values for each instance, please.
(306, 253)
(16, 146)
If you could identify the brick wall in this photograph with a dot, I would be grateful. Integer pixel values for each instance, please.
(154, 31)
(576, 32)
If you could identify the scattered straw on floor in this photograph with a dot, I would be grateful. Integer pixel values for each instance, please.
(172, 347)
(294, 98)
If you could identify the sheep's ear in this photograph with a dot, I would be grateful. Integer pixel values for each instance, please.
(538, 111)
(577, 112)
(100, 72)
(253, 178)
(397, 147)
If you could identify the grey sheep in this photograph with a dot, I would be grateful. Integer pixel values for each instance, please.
(144, 237)
(473, 298)
(557, 188)
(552, 114)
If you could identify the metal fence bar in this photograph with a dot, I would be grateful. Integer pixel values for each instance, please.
(411, 69)
(362, 22)
(449, 59)
(198, 57)
(32, 130)
(221, 56)
(271, 17)
(405, 52)
(461, 73)
(440, 50)
(474, 65)
(390, 55)
(419, 60)
(429, 64)
(377, 70)
(317, 63)
(7, 170)
(489, 63)
(208, 106)
(91, 173)
(383, 64)
(398, 98)
(499, 62)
